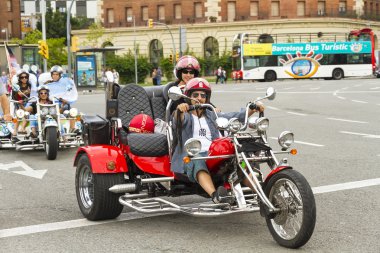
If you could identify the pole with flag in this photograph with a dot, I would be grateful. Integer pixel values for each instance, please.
(13, 66)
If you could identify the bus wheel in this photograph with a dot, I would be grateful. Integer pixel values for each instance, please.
(337, 74)
(270, 76)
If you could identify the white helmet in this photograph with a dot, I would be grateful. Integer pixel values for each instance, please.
(21, 71)
(56, 68)
(43, 87)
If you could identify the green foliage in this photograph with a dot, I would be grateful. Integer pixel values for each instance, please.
(80, 22)
(125, 65)
(96, 31)
(32, 37)
(167, 68)
(57, 52)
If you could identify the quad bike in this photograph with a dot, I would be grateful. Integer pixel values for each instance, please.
(133, 170)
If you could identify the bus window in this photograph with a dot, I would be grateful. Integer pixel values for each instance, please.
(354, 59)
(250, 62)
(367, 59)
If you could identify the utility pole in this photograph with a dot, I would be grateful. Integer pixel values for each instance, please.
(68, 39)
(43, 11)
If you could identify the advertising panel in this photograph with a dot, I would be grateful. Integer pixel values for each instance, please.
(86, 70)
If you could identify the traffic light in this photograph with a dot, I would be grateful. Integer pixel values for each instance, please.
(43, 49)
(176, 56)
(150, 23)
(74, 43)
(171, 58)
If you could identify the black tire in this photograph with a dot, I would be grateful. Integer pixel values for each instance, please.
(270, 76)
(337, 74)
(95, 201)
(289, 213)
(51, 144)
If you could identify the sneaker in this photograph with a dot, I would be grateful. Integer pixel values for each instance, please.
(220, 195)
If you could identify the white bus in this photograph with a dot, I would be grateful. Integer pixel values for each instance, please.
(271, 57)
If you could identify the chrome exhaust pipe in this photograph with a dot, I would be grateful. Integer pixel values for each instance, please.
(123, 188)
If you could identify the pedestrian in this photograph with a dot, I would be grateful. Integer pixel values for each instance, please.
(154, 76)
(158, 76)
(109, 76)
(116, 76)
(218, 74)
(224, 76)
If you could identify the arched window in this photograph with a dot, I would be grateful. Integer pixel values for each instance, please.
(211, 54)
(156, 52)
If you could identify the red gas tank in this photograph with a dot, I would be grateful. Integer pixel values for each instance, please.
(220, 146)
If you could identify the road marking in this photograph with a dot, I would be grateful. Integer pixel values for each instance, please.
(341, 97)
(348, 120)
(27, 170)
(304, 143)
(362, 134)
(289, 88)
(316, 88)
(346, 186)
(273, 108)
(54, 226)
(374, 88)
(359, 101)
(358, 85)
(297, 113)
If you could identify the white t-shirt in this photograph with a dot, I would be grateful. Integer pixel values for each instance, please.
(202, 132)
(109, 76)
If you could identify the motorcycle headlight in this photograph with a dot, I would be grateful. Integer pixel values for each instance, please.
(52, 111)
(193, 146)
(66, 113)
(234, 125)
(286, 139)
(73, 112)
(20, 113)
(262, 124)
(44, 111)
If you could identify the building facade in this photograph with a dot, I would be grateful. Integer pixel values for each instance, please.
(10, 25)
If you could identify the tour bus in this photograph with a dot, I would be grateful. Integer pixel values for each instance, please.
(366, 34)
(268, 57)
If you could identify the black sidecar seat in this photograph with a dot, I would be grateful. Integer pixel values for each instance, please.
(151, 145)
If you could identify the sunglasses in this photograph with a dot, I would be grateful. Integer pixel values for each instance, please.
(191, 72)
(23, 77)
(195, 95)
(43, 93)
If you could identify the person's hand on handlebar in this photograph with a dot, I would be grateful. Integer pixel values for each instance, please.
(184, 107)
(257, 107)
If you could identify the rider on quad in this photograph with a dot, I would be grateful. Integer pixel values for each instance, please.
(200, 124)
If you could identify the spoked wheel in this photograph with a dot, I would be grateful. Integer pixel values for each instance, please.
(51, 144)
(294, 224)
(95, 201)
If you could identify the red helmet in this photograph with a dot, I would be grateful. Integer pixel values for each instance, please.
(141, 123)
(186, 62)
(198, 84)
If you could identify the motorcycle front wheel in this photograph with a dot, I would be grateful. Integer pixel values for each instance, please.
(294, 224)
(51, 144)
(95, 201)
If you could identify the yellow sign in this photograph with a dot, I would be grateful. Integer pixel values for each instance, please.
(257, 49)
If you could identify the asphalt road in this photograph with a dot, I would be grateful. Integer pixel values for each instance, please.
(336, 126)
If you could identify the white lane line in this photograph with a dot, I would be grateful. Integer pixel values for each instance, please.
(17, 231)
(374, 88)
(373, 136)
(273, 108)
(345, 88)
(358, 85)
(304, 143)
(346, 186)
(297, 113)
(359, 101)
(316, 88)
(341, 97)
(348, 120)
(289, 88)
(261, 88)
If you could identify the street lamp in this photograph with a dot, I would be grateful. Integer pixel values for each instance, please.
(130, 19)
(5, 30)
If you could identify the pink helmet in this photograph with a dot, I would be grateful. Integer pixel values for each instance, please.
(186, 62)
(198, 84)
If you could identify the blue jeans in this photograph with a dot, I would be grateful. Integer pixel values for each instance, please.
(194, 166)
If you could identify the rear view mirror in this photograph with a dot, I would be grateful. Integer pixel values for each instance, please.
(271, 93)
(175, 93)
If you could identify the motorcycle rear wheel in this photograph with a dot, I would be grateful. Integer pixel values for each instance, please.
(293, 226)
(95, 201)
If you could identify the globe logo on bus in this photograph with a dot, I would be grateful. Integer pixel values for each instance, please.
(301, 66)
(356, 47)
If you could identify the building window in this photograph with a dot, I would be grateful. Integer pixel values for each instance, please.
(144, 13)
(156, 52)
(275, 9)
(9, 5)
(177, 11)
(10, 29)
(60, 6)
(231, 11)
(38, 6)
(301, 9)
(161, 12)
(211, 49)
(81, 9)
(110, 16)
(128, 13)
(321, 8)
(342, 6)
(198, 10)
(254, 9)
(377, 9)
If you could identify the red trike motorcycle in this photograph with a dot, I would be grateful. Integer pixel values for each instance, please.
(119, 169)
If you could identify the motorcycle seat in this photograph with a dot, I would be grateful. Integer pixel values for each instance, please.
(149, 145)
